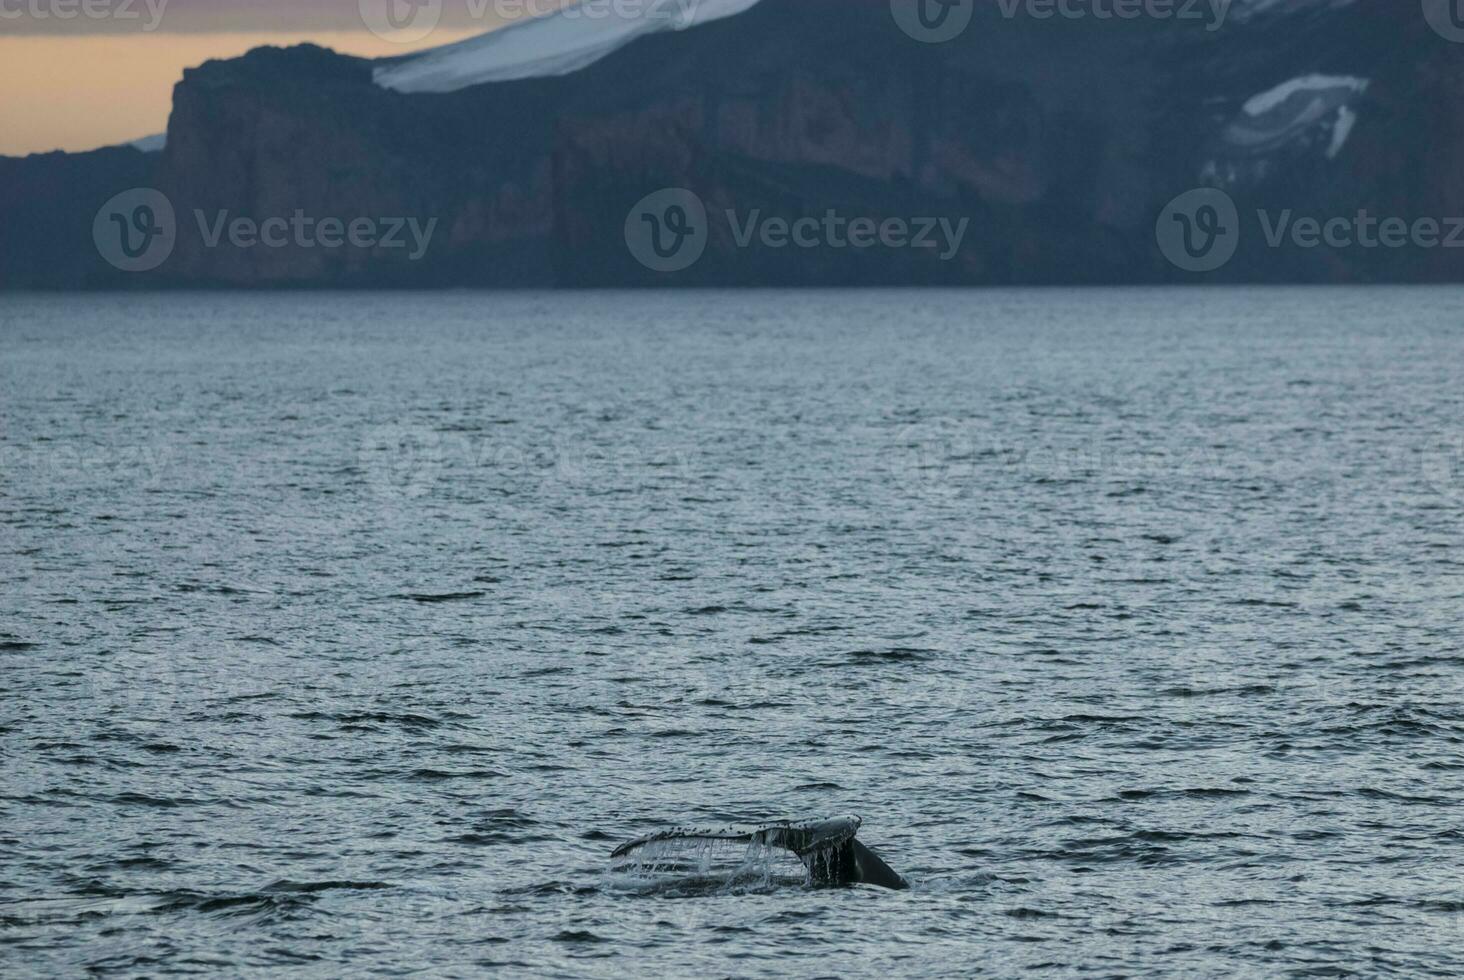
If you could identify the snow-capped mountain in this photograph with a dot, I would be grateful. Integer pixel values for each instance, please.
(1059, 140)
(574, 37)
(565, 41)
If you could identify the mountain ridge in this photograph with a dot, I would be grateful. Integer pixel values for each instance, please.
(1058, 143)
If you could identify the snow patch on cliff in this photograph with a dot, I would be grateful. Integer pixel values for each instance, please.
(1311, 87)
(571, 38)
(151, 144)
(1342, 129)
(1295, 111)
(1307, 114)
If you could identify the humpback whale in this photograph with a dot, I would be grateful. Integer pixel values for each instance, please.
(827, 849)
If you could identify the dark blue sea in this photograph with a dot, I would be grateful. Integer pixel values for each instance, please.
(347, 635)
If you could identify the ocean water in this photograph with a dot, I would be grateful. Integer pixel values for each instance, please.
(350, 633)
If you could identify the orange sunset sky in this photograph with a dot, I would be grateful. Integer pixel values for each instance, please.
(79, 83)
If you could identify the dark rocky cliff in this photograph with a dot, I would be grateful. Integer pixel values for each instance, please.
(47, 204)
(1059, 141)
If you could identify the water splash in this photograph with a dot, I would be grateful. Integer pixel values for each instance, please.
(706, 865)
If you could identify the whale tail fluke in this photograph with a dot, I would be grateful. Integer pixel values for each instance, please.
(873, 871)
(826, 847)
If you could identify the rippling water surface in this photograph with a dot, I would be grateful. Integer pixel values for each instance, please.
(350, 633)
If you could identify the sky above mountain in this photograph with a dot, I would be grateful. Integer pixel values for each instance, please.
(64, 17)
(87, 91)
(79, 77)
(79, 74)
